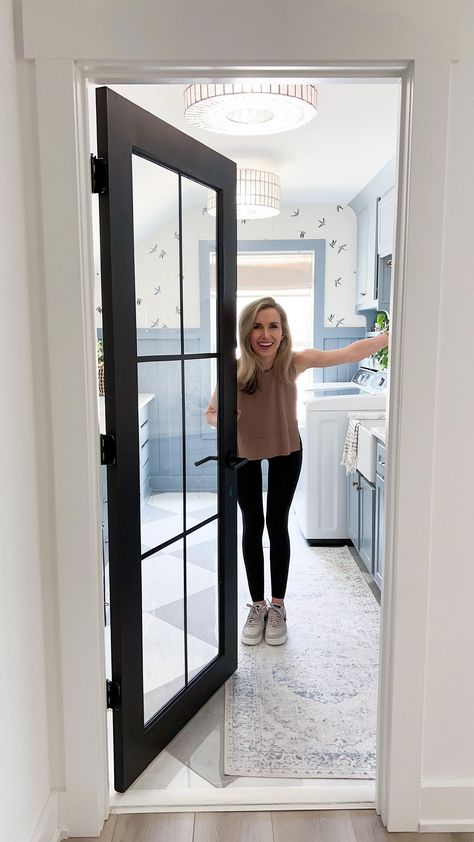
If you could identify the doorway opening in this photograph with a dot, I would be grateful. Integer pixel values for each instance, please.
(300, 221)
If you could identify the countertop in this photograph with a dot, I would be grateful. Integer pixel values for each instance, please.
(379, 433)
(143, 399)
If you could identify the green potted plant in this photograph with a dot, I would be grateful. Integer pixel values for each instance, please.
(382, 322)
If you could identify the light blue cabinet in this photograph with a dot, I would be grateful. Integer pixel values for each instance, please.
(144, 438)
(366, 522)
(366, 287)
(360, 517)
(386, 222)
(353, 508)
(379, 514)
(384, 282)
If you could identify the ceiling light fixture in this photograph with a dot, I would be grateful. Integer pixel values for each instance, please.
(250, 109)
(258, 195)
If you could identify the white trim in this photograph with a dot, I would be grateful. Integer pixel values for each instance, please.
(324, 795)
(47, 828)
(447, 806)
(63, 145)
(387, 630)
(103, 72)
(411, 446)
(70, 277)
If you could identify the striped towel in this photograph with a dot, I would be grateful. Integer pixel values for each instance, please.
(349, 456)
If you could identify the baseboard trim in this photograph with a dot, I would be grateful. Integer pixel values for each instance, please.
(447, 827)
(324, 795)
(447, 806)
(47, 828)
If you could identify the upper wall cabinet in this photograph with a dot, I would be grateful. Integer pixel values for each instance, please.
(366, 290)
(386, 222)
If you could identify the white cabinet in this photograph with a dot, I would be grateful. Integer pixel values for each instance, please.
(386, 222)
(367, 257)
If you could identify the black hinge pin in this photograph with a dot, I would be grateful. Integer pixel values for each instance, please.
(99, 175)
(108, 453)
(113, 694)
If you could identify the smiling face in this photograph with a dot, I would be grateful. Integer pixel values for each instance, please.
(266, 336)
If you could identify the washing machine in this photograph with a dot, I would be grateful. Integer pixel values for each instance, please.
(320, 501)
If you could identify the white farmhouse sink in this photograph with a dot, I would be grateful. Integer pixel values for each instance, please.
(366, 449)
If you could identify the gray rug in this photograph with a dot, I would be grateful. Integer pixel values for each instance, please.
(309, 708)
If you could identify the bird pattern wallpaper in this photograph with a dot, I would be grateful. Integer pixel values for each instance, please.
(157, 265)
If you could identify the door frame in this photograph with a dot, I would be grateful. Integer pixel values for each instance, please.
(69, 283)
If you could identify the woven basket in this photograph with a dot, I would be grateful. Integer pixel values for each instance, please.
(101, 380)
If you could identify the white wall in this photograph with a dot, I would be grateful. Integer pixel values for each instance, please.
(27, 648)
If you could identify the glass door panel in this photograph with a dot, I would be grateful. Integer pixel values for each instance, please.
(163, 619)
(202, 602)
(156, 252)
(202, 466)
(198, 235)
(161, 453)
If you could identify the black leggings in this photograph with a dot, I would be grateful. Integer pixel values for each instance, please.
(283, 473)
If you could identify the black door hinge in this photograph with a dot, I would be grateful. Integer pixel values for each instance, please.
(99, 175)
(113, 694)
(108, 451)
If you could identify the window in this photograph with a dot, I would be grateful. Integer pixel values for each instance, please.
(287, 276)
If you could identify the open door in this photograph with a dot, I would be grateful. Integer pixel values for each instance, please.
(171, 478)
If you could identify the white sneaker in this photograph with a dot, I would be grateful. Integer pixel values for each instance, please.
(275, 631)
(252, 632)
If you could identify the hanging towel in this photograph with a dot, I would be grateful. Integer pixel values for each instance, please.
(349, 456)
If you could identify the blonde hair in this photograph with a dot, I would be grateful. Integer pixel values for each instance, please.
(248, 366)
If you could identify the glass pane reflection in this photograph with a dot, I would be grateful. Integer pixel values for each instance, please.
(161, 452)
(202, 598)
(201, 441)
(156, 242)
(163, 627)
(198, 236)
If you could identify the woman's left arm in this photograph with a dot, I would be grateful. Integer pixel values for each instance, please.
(356, 351)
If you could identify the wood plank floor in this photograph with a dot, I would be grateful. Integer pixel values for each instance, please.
(279, 826)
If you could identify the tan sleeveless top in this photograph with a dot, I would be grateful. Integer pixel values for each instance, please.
(267, 425)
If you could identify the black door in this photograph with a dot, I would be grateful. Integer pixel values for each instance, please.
(168, 267)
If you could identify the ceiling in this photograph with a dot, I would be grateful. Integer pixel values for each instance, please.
(331, 159)
(351, 138)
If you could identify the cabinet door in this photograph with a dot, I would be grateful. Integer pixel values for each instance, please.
(366, 522)
(386, 221)
(366, 257)
(379, 530)
(353, 508)
(362, 255)
(384, 282)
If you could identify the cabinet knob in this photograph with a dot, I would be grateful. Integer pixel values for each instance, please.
(363, 293)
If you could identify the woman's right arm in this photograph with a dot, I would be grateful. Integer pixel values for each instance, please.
(211, 411)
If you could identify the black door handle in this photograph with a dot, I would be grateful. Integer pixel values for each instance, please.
(206, 459)
(235, 462)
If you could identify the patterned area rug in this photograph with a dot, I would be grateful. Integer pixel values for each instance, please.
(309, 708)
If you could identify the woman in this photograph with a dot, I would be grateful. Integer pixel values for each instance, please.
(268, 429)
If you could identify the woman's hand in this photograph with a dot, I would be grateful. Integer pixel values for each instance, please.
(382, 340)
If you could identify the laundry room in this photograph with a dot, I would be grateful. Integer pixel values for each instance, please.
(316, 210)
